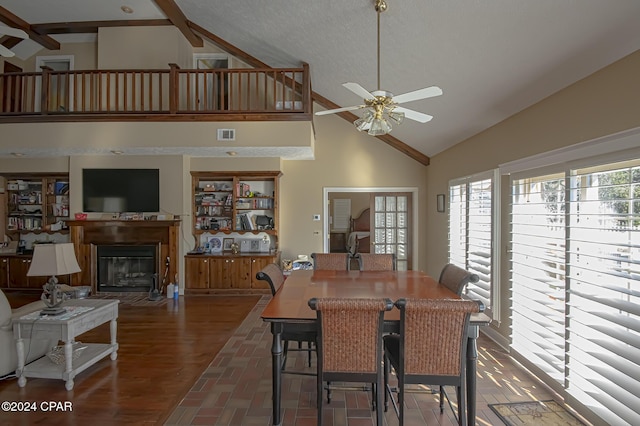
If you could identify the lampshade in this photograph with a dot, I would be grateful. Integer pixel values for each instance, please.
(53, 259)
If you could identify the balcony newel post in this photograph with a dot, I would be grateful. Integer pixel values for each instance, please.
(173, 88)
(44, 90)
(306, 89)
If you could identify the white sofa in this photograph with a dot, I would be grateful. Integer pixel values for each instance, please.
(34, 348)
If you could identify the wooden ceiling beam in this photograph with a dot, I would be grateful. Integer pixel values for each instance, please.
(9, 42)
(88, 27)
(175, 15)
(14, 21)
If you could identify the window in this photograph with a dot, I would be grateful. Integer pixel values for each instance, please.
(471, 235)
(575, 264)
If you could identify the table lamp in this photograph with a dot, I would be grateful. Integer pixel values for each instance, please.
(51, 260)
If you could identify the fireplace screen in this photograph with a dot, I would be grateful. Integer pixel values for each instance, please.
(126, 268)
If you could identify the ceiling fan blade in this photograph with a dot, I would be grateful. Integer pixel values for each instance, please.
(414, 115)
(427, 92)
(13, 32)
(332, 111)
(359, 90)
(6, 52)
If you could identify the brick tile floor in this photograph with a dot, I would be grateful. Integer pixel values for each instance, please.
(236, 389)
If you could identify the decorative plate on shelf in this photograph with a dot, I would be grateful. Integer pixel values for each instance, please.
(215, 244)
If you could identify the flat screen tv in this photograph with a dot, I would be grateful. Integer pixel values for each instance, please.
(120, 190)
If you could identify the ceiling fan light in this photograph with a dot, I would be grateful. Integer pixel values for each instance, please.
(362, 124)
(396, 117)
(379, 127)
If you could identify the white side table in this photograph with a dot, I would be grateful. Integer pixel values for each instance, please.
(82, 315)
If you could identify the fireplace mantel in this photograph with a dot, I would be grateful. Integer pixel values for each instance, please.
(86, 235)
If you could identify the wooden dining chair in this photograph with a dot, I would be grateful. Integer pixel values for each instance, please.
(376, 261)
(455, 278)
(350, 344)
(273, 275)
(430, 349)
(330, 261)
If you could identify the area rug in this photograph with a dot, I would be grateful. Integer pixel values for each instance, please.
(133, 299)
(537, 413)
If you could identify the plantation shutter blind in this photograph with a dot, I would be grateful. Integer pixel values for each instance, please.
(537, 272)
(603, 268)
(575, 272)
(470, 234)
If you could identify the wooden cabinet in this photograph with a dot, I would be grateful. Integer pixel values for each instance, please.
(225, 273)
(257, 263)
(36, 203)
(233, 201)
(13, 274)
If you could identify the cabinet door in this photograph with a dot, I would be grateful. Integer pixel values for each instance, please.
(196, 272)
(257, 263)
(4, 272)
(238, 270)
(18, 268)
(218, 277)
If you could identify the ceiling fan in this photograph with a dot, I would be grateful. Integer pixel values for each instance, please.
(11, 32)
(381, 107)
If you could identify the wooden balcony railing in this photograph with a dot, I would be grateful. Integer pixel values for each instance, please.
(172, 94)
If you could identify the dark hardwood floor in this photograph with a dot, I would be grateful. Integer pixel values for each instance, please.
(162, 351)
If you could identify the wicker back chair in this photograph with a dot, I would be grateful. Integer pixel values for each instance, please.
(430, 349)
(350, 344)
(376, 261)
(273, 275)
(330, 261)
(455, 278)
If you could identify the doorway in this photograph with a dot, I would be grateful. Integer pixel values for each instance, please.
(60, 94)
(212, 87)
(380, 220)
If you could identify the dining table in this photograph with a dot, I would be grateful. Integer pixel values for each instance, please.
(289, 308)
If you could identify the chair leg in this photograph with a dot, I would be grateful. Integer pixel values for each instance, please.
(401, 399)
(386, 384)
(319, 398)
(378, 389)
(441, 400)
(309, 359)
(285, 352)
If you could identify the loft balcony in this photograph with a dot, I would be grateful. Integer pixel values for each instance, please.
(174, 94)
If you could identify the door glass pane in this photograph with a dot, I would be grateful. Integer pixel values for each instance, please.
(391, 220)
(402, 235)
(379, 204)
(379, 220)
(391, 204)
(391, 235)
(403, 206)
(402, 220)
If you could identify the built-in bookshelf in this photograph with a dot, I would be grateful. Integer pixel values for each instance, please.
(36, 203)
(242, 202)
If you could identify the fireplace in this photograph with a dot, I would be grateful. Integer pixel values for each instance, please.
(125, 268)
(88, 236)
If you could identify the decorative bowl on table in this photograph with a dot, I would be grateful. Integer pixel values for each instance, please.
(56, 354)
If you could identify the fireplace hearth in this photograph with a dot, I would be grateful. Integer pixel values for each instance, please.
(126, 268)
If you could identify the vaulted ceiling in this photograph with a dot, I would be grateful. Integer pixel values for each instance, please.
(492, 58)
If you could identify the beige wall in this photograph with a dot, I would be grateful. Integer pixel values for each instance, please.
(604, 103)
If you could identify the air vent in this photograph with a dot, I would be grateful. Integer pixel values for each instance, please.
(226, 134)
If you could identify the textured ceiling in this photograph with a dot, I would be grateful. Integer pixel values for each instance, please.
(492, 58)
